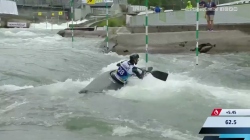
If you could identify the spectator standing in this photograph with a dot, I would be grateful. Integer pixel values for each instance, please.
(189, 5)
(203, 5)
(157, 9)
(210, 12)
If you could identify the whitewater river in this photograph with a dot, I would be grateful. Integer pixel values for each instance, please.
(41, 74)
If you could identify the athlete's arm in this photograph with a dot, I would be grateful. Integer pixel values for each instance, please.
(137, 73)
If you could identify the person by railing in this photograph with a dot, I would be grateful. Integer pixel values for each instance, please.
(189, 5)
(210, 12)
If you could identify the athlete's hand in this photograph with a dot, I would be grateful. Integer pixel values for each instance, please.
(144, 72)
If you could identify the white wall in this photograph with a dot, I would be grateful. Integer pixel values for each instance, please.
(8, 7)
(78, 14)
(240, 14)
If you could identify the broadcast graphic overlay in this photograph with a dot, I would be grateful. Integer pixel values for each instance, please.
(227, 124)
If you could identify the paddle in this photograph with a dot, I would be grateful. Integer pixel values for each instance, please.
(160, 75)
(157, 74)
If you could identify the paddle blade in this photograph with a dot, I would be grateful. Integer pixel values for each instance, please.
(160, 75)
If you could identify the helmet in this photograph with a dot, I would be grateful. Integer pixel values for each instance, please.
(134, 58)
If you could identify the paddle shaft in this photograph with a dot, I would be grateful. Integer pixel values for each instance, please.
(157, 74)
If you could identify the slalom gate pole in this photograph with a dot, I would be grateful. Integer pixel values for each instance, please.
(107, 24)
(46, 22)
(72, 19)
(197, 29)
(146, 33)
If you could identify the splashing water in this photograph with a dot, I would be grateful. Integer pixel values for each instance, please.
(50, 26)
(41, 75)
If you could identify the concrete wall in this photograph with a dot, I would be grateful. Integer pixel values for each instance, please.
(244, 27)
(2, 23)
(113, 10)
(101, 3)
(33, 10)
(189, 17)
(63, 3)
(41, 14)
(85, 10)
(58, 15)
(120, 2)
(78, 14)
(116, 9)
(5, 18)
(164, 38)
(181, 42)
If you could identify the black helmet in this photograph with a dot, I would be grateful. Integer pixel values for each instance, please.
(134, 58)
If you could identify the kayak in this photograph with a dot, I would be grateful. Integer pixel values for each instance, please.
(107, 81)
(103, 82)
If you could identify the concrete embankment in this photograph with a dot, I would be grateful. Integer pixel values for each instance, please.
(14, 21)
(86, 29)
(245, 27)
(227, 38)
(82, 33)
(88, 32)
(232, 41)
(158, 29)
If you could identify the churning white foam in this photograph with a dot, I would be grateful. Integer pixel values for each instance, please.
(173, 134)
(45, 39)
(47, 25)
(113, 66)
(116, 55)
(7, 88)
(19, 33)
(12, 106)
(151, 88)
(123, 131)
(164, 132)
(69, 83)
(147, 89)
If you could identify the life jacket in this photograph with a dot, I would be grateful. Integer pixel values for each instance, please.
(124, 71)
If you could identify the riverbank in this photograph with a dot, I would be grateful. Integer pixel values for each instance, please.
(227, 38)
(182, 42)
(244, 27)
